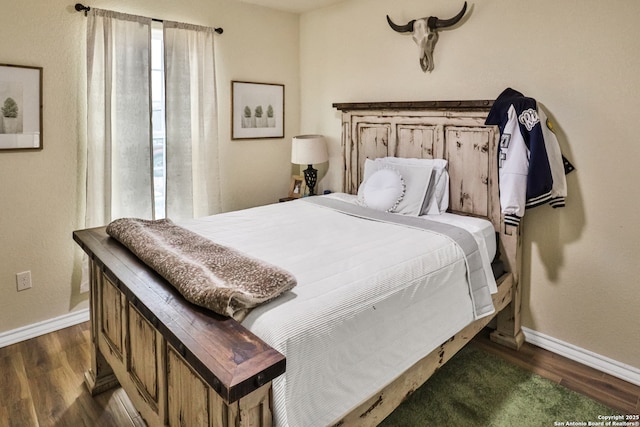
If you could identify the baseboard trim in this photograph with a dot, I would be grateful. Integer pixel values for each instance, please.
(44, 327)
(586, 357)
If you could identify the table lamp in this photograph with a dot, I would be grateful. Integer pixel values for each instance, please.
(309, 150)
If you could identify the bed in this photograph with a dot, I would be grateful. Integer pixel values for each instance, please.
(184, 365)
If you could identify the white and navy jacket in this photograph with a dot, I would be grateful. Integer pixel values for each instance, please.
(531, 168)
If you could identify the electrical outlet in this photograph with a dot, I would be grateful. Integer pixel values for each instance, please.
(23, 280)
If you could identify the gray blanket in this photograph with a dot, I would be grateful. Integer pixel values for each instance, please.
(207, 274)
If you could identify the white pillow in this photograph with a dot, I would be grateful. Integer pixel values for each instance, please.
(369, 168)
(437, 197)
(383, 190)
(438, 194)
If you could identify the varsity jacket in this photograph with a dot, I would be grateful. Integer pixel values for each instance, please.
(530, 164)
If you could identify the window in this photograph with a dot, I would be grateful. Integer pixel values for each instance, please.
(158, 120)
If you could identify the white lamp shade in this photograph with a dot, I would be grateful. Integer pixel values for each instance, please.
(309, 150)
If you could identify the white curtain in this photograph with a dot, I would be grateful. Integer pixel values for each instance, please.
(120, 180)
(119, 172)
(193, 184)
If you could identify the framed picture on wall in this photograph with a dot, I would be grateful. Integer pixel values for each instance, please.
(20, 107)
(257, 110)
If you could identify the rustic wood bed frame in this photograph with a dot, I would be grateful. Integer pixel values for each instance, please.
(182, 365)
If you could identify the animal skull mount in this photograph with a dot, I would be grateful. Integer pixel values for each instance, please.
(425, 34)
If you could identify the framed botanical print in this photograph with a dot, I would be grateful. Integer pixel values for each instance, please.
(257, 110)
(20, 107)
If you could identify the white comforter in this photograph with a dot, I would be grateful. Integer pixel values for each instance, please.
(372, 299)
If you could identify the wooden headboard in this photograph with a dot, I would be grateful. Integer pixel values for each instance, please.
(450, 130)
(454, 131)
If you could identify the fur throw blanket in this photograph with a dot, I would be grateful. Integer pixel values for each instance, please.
(207, 274)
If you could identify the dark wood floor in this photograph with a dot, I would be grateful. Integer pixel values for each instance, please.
(41, 382)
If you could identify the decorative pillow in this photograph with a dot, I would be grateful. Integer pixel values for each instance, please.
(417, 178)
(383, 190)
(437, 196)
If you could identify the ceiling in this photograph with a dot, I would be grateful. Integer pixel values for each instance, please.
(294, 6)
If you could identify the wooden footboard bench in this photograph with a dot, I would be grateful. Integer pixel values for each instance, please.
(180, 365)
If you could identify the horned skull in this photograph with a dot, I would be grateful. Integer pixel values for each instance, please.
(425, 34)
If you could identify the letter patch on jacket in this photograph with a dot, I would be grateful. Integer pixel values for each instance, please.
(505, 139)
(529, 118)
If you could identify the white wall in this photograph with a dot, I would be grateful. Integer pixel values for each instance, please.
(41, 192)
(579, 59)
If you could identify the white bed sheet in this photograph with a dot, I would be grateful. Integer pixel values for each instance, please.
(372, 299)
(481, 229)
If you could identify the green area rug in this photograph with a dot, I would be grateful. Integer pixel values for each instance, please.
(476, 388)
